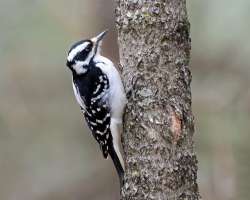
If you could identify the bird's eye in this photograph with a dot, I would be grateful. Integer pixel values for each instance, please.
(87, 49)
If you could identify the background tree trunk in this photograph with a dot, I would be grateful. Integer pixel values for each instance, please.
(154, 47)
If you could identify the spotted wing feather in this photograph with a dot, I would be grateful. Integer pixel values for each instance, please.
(93, 99)
(98, 120)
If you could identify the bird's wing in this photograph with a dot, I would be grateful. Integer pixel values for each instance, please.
(95, 105)
(98, 120)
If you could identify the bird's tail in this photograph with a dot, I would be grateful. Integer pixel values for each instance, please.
(115, 150)
(117, 163)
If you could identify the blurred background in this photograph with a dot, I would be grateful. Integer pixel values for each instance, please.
(46, 152)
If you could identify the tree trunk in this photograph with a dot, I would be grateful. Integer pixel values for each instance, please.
(154, 48)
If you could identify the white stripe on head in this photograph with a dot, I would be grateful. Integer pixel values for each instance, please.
(79, 67)
(76, 50)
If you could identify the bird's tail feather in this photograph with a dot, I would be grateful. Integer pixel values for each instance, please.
(116, 130)
(115, 151)
(117, 163)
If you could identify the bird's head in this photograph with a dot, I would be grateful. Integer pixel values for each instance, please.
(82, 52)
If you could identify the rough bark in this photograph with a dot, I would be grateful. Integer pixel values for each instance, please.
(154, 45)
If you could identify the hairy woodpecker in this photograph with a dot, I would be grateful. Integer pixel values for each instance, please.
(100, 93)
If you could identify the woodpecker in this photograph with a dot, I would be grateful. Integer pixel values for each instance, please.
(100, 93)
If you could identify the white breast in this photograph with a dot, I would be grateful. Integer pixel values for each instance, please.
(78, 96)
(117, 98)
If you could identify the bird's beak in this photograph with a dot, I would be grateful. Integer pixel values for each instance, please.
(99, 37)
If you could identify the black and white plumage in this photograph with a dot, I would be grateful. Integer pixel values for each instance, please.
(99, 92)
